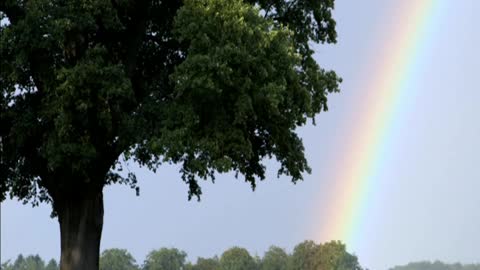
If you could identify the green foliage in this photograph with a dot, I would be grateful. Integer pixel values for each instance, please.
(206, 264)
(52, 265)
(117, 259)
(237, 258)
(165, 259)
(275, 259)
(211, 85)
(333, 255)
(328, 256)
(306, 255)
(229, 42)
(32, 262)
(29, 263)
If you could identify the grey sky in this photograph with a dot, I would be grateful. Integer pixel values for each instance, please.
(425, 207)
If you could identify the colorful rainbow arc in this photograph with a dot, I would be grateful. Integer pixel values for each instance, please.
(386, 88)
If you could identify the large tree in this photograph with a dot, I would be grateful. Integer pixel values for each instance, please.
(211, 85)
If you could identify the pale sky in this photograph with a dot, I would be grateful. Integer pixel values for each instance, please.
(426, 209)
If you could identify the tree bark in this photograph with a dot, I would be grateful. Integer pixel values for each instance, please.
(81, 222)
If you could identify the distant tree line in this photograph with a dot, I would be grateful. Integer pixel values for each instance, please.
(306, 256)
(437, 266)
(30, 263)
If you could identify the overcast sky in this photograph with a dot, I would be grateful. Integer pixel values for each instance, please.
(429, 209)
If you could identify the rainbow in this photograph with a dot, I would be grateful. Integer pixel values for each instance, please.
(370, 124)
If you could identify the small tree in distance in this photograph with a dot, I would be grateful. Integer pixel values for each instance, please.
(332, 255)
(165, 259)
(117, 259)
(211, 85)
(51, 265)
(275, 259)
(205, 264)
(237, 258)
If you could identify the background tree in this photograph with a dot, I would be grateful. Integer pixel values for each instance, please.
(32, 262)
(334, 256)
(206, 264)
(329, 256)
(6, 265)
(237, 258)
(437, 265)
(117, 259)
(303, 256)
(275, 259)
(51, 265)
(212, 85)
(165, 259)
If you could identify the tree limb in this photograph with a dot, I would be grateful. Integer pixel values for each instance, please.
(135, 33)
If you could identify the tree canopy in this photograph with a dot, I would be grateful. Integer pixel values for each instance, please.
(237, 258)
(205, 264)
(332, 255)
(212, 85)
(165, 259)
(117, 259)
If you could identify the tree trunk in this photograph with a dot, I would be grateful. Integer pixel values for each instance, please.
(81, 221)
